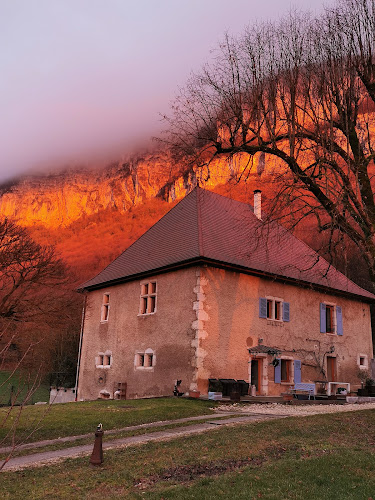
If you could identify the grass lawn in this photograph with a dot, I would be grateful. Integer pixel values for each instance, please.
(317, 457)
(71, 419)
(16, 388)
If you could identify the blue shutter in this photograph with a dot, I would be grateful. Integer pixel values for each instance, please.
(286, 311)
(278, 372)
(340, 330)
(322, 318)
(262, 307)
(297, 371)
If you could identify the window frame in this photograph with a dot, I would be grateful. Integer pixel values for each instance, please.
(146, 298)
(336, 315)
(273, 301)
(333, 321)
(145, 360)
(289, 366)
(104, 359)
(104, 312)
(365, 364)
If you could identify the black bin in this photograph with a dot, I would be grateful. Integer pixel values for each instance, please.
(227, 384)
(244, 387)
(214, 385)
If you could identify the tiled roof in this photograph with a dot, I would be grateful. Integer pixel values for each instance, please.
(209, 227)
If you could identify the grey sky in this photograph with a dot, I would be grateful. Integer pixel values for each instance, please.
(82, 78)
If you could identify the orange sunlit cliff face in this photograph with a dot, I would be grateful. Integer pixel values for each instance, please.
(91, 216)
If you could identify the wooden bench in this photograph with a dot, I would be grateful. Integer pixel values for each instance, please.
(303, 390)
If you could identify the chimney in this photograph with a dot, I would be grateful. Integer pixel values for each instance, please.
(258, 203)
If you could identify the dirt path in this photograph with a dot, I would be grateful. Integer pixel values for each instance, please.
(47, 457)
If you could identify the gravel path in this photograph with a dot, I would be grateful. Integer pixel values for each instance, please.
(293, 410)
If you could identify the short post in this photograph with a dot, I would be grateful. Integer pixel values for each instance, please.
(97, 452)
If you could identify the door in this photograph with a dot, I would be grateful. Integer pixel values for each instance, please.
(255, 373)
(331, 369)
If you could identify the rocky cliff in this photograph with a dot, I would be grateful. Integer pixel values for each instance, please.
(60, 198)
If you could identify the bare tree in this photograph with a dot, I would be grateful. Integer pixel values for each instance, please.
(34, 305)
(302, 92)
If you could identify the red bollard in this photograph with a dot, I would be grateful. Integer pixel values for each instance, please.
(97, 452)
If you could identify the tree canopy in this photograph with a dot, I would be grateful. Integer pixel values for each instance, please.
(301, 91)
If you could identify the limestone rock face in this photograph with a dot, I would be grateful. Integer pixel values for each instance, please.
(59, 198)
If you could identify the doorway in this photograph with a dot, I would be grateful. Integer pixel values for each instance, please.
(331, 369)
(255, 373)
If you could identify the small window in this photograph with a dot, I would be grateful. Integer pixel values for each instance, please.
(145, 359)
(104, 360)
(105, 307)
(269, 309)
(148, 298)
(331, 320)
(283, 370)
(274, 309)
(363, 361)
(141, 360)
(277, 310)
(330, 325)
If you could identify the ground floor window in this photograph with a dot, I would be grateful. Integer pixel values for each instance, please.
(145, 359)
(104, 359)
(283, 370)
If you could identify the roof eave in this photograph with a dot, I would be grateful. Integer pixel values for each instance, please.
(233, 267)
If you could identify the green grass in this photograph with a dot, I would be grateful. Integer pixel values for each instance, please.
(318, 457)
(71, 419)
(15, 388)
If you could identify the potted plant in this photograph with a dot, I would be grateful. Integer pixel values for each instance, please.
(370, 386)
(363, 375)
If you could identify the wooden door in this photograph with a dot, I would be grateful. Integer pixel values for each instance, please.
(331, 369)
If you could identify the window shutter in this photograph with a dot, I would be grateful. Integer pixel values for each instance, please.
(278, 372)
(286, 311)
(297, 371)
(339, 320)
(322, 318)
(262, 307)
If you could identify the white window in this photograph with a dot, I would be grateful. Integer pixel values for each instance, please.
(148, 298)
(105, 308)
(274, 309)
(103, 359)
(145, 360)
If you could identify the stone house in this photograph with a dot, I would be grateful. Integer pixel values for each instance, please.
(212, 291)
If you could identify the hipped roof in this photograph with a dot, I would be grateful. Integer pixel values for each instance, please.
(209, 228)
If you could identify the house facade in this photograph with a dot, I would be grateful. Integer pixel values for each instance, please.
(211, 291)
